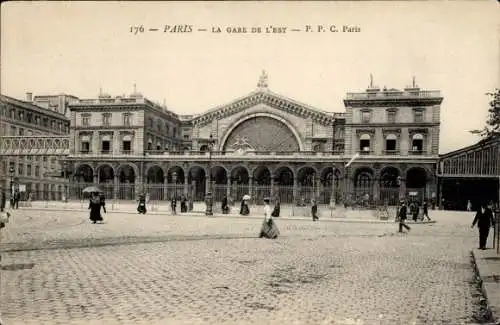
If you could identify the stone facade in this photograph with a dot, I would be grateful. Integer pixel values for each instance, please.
(40, 174)
(263, 142)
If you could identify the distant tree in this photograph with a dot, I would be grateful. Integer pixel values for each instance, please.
(492, 127)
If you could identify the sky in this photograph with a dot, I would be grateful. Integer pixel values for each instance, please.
(79, 48)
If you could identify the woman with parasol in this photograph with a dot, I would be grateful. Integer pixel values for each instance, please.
(95, 203)
(244, 210)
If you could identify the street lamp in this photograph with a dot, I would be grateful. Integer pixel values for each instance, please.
(65, 171)
(209, 195)
(11, 185)
(333, 197)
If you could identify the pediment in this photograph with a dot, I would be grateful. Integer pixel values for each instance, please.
(269, 98)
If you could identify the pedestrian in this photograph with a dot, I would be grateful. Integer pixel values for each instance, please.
(402, 217)
(269, 228)
(244, 210)
(484, 220)
(17, 197)
(173, 205)
(314, 210)
(415, 210)
(469, 206)
(4, 219)
(183, 204)
(102, 199)
(224, 205)
(141, 207)
(95, 208)
(2, 199)
(425, 209)
(276, 210)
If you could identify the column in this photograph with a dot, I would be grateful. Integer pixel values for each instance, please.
(250, 186)
(96, 178)
(228, 189)
(271, 194)
(116, 187)
(333, 194)
(165, 188)
(295, 181)
(318, 183)
(376, 190)
(116, 143)
(186, 184)
(174, 184)
(440, 197)
(402, 189)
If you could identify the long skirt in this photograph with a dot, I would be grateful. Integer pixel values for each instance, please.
(269, 229)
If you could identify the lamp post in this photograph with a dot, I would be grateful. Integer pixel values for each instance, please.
(65, 171)
(11, 185)
(333, 197)
(209, 195)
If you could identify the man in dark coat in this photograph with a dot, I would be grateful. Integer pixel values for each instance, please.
(314, 210)
(425, 209)
(484, 220)
(402, 217)
(2, 200)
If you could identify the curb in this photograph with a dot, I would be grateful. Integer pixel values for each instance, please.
(477, 272)
(231, 216)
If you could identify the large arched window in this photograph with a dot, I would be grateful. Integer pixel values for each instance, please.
(391, 143)
(364, 143)
(417, 143)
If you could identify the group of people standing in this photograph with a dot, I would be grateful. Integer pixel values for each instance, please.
(144, 199)
(14, 200)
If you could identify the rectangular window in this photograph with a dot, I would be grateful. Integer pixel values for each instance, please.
(85, 119)
(21, 131)
(106, 146)
(126, 119)
(127, 146)
(391, 116)
(85, 147)
(186, 136)
(37, 171)
(364, 145)
(390, 145)
(106, 119)
(13, 130)
(418, 116)
(20, 170)
(28, 170)
(365, 116)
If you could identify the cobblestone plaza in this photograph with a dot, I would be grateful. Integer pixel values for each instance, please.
(159, 269)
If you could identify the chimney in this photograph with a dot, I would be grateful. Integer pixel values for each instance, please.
(29, 97)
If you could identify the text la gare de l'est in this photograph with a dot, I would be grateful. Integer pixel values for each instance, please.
(269, 29)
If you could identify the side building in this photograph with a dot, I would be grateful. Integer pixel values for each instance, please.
(38, 173)
(261, 144)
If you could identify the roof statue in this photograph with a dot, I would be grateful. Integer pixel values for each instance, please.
(414, 84)
(371, 81)
(262, 80)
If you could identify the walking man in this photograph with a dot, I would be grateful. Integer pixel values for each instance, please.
(425, 208)
(402, 217)
(484, 220)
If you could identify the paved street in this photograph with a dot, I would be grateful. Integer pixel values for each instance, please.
(158, 269)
